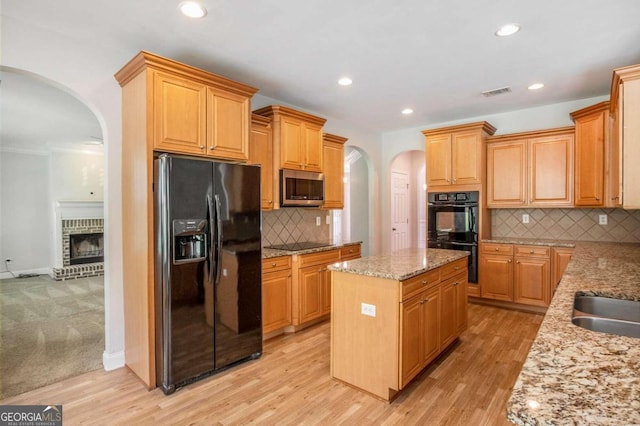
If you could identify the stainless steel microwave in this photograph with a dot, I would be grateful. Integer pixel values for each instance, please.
(302, 189)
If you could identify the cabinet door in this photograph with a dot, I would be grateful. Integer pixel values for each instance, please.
(227, 125)
(261, 152)
(291, 134)
(438, 150)
(560, 260)
(276, 300)
(496, 277)
(551, 165)
(411, 357)
(180, 115)
(532, 281)
(310, 282)
(447, 313)
(333, 158)
(430, 325)
(506, 174)
(466, 155)
(461, 284)
(326, 291)
(614, 161)
(590, 145)
(312, 145)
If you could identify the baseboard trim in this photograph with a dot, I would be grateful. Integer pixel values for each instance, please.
(111, 361)
(40, 271)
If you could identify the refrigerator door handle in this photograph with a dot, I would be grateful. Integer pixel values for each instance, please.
(218, 239)
(211, 215)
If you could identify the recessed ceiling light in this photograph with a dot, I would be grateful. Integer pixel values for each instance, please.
(407, 111)
(192, 9)
(536, 86)
(345, 81)
(507, 30)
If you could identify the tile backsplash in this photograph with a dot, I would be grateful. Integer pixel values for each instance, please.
(567, 224)
(291, 225)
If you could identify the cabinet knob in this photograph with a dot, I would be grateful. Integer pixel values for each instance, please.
(201, 146)
(211, 148)
(273, 265)
(509, 260)
(530, 251)
(448, 180)
(454, 179)
(270, 201)
(456, 268)
(456, 284)
(424, 282)
(517, 261)
(497, 248)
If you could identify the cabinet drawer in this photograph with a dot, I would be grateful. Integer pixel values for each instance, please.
(453, 268)
(276, 264)
(350, 252)
(326, 257)
(494, 248)
(536, 251)
(420, 282)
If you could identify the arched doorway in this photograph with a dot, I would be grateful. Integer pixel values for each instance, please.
(408, 201)
(52, 173)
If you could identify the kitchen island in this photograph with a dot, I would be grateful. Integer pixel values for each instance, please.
(573, 375)
(393, 314)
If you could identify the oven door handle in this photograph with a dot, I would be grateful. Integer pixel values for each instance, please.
(455, 243)
(453, 205)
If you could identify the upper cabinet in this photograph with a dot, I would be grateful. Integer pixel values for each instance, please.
(593, 161)
(531, 169)
(297, 138)
(625, 106)
(191, 111)
(261, 152)
(333, 168)
(455, 155)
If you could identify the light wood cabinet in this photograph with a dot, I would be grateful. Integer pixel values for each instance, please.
(625, 106)
(297, 138)
(560, 258)
(172, 107)
(592, 155)
(455, 155)
(516, 273)
(333, 169)
(414, 321)
(192, 117)
(350, 252)
(531, 169)
(312, 286)
(276, 293)
(421, 334)
(261, 152)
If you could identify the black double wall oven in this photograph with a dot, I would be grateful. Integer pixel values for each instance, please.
(453, 224)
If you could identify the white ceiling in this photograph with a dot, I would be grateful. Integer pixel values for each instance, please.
(433, 56)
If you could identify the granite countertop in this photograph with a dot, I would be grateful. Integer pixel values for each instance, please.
(577, 376)
(268, 253)
(531, 241)
(399, 265)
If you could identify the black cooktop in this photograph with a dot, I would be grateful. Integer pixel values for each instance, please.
(302, 245)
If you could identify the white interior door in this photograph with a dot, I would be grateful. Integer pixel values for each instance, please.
(399, 210)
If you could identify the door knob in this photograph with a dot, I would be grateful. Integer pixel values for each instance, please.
(393, 229)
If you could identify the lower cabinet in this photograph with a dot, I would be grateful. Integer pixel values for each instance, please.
(313, 285)
(560, 257)
(516, 273)
(384, 332)
(276, 293)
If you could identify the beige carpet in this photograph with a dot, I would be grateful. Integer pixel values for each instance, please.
(49, 330)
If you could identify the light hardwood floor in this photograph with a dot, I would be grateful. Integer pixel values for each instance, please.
(290, 384)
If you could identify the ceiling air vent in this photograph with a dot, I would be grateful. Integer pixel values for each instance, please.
(496, 92)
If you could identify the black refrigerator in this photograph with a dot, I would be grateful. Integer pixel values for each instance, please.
(208, 267)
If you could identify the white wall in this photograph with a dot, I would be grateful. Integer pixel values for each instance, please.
(77, 176)
(361, 212)
(25, 213)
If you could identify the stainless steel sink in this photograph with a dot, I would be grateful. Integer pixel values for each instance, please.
(607, 315)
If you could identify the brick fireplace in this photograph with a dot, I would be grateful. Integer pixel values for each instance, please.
(79, 240)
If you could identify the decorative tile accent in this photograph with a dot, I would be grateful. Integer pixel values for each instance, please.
(567, 224)
(292, 225)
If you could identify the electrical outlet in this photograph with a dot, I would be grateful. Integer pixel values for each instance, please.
(8, 260)
(368, 310)
(317, 220)
(602, 219)
(525, 218)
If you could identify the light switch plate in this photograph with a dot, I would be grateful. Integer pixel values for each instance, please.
(317, 220)
(602, 219)
(328, 220)
(525, 218)
(368, 310)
